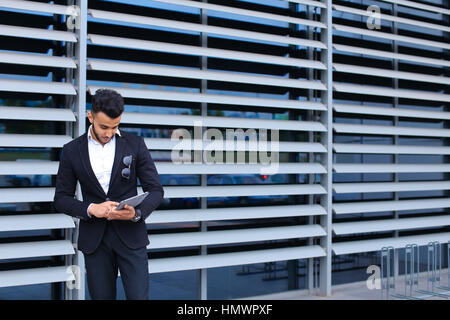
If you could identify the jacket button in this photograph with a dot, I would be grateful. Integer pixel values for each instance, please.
(107, 199)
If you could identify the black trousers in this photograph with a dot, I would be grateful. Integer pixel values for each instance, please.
(112, 255)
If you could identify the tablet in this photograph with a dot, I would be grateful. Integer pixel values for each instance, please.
(133, 201)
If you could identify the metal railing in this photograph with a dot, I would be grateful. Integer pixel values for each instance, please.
(412, 284)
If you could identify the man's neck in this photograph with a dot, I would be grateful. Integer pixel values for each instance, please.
(94, 136)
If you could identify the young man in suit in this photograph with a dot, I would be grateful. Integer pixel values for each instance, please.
(107, 162)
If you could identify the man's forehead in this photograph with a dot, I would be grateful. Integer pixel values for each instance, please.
(103, 119)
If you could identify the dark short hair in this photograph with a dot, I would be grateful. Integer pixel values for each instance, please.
(108, 101)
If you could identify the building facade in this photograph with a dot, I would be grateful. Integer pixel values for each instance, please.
(294, 139)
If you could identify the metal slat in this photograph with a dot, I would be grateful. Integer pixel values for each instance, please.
(395, 112)
(51, 167)
(35, 249)
(37, 6)
(390, 130)
(371, 168)
(388, 149)
(351, 247)
(232, 259)
(242, 190)
(390, 36)
(187, 26)
(390, 224)
(33, 140)
(244, 12)
(380, 206)
(421, 6)
(180, 215)
(31, 86)
(172, 240)
(45, 194)
(391, 55)
(385, 73)
(220, 122)
(193, 144)
(36, 114)
(35, 33)
(388, 92)
(12, 195)
(212, 98)
(35, 276)
(35, 222)
(140, 68)
(28, 166)
(36, 60)
(199, 51)
(393, 18)
(390, 186)
(234, 168)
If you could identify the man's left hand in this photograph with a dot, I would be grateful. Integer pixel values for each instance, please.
(127, 213)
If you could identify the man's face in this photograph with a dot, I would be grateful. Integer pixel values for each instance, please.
(103, 126)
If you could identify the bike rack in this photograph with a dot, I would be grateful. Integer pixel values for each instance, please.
(387, 282)
(412, 272)
(434, 270)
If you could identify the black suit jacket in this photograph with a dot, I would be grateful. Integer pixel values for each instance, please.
(75, 166)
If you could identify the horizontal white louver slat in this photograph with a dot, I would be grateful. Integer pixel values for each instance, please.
(208, 52)
(35, 276)
(352, 247)
(36, 114)
(390, 186)
(403, 112)
(29, 86)
(378, 206)
(212, 98)
(385, 130)
(37, 7)
(370, 168)
(390, 224)
(33, 140)
(233, 236)
(232, 259)
(386, 149)
(127, 18)
(387, 54)
(196, 144)
(34, 33)
(36, 59)
(35, 249)
(220, 122)
(35, 222)
(390, 36)
(368, 13)
(139, 68)
(170, 216)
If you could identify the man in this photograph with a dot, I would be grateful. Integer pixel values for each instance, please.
(107, 163)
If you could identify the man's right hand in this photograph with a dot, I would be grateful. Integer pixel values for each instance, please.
(101, 210)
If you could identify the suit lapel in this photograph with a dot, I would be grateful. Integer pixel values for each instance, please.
(120, 143)
(85, 160)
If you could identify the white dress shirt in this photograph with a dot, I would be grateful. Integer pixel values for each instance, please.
(102, 159)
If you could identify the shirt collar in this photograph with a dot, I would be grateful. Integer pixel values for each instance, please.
(90, 138)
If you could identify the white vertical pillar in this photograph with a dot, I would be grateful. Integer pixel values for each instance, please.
(327, 140)
(204, 113)
(80, 113)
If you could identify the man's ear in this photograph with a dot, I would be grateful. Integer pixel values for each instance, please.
(90, 117)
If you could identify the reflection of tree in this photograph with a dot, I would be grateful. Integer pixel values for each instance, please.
(29, 127)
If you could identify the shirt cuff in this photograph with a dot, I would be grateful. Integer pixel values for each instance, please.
(87, 211)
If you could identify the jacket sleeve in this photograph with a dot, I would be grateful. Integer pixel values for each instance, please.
(150, 181)
(66, 183)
